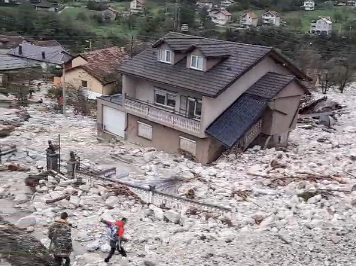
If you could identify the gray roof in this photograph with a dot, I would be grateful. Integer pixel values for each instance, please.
(55, 54)
(270, 85)
(8, 62)
(236, 59)
(238, 118)
(232, 124)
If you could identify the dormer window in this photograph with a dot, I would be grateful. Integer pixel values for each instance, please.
(196, 62)
(165, 56)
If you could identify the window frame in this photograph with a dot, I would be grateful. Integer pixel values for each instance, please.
(85, 82)
(195, 101)
(197, 57)
(163, 58)
(184, 139)
(141, 124)
(165, 94)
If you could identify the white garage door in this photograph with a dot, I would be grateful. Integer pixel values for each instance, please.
(114, 121)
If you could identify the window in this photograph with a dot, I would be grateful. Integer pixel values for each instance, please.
(144, 130)
(194, 108)
(165, 98)
(164, 56)
(84, 84)
(196, 62)
(188, 145)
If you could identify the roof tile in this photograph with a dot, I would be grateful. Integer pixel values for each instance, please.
(103, 63)
(232, 124)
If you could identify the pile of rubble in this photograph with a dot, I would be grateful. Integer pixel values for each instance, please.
(291, 206)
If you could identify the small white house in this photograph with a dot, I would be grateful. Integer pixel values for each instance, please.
(271, 18)
(249, 19)
(309, 5)
(323, 25)
(136, 6)
(226, 3)
(220, 16)
(205, 4)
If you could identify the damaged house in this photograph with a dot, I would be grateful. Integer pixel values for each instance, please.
(203, 96)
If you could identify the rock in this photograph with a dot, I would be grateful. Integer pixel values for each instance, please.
(149, 263)
(172, 216)
(187, 175)
(111, 201)
(148, 213)
(75, 201)
(21, 198)
(26, 222)
(90, 258)
(92, 246)
(105, 248)
(259, 216)
(267, 221)
(158, 212)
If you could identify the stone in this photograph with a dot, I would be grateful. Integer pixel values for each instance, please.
(158, 212)
(149, 263)
(111, 201)
(92, 246)
(172, 216)
(74, 200)
(105, 248)
(21, 198)
(26, 222)
(148, 213)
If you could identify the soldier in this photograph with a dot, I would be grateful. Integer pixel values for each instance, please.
(61, 240)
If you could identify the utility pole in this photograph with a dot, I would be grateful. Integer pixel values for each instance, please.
(131, 46)
(64, 89)
(176, 26)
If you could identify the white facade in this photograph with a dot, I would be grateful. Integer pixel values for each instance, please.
(309, 5)
(205, 4)
(320, 26)
(221, 17)
(271, 18)
(249, 19)
(136, 6)
(226, 3)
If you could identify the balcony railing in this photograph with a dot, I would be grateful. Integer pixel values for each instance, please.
(154, 113)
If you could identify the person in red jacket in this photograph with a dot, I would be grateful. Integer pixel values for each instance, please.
(116, 237)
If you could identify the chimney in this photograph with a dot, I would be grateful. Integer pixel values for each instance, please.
(20, 49)
(43, 55)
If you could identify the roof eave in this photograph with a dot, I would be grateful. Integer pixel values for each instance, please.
(292, 67)
(164, 83)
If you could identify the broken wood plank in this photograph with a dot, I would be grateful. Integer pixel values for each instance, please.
(66, 196)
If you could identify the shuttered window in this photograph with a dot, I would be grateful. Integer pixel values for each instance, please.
(144, 130)
(188, 145)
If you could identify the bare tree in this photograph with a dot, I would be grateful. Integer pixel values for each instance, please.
(340, 72)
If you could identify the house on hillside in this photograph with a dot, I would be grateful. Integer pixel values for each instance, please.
(271, 18)
(8, 42)
(323, 25)
(226, 3)
(109, 14)
(202, 96)
(249, 19)
(44, 5)
(10, 64)
(47, 56)
(220, 16)
(96, 71)
(208, 4)
(136, 6)
(309, 5)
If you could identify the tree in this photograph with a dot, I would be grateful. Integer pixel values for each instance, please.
(340, 72)
(205, 19)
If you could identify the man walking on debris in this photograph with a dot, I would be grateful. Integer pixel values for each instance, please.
(61, 240)
(116, 237)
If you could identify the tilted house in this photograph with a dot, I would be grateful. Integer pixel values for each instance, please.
(203, 96)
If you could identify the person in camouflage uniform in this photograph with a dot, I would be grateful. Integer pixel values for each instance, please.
(61, 240)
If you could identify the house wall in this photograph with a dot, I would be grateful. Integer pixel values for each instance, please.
(75, 77)
(99, 116)
(167, 139)
(78, 61)
(212, 108)
(282, 119)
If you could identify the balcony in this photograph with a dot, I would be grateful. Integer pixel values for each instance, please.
(156, 114)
